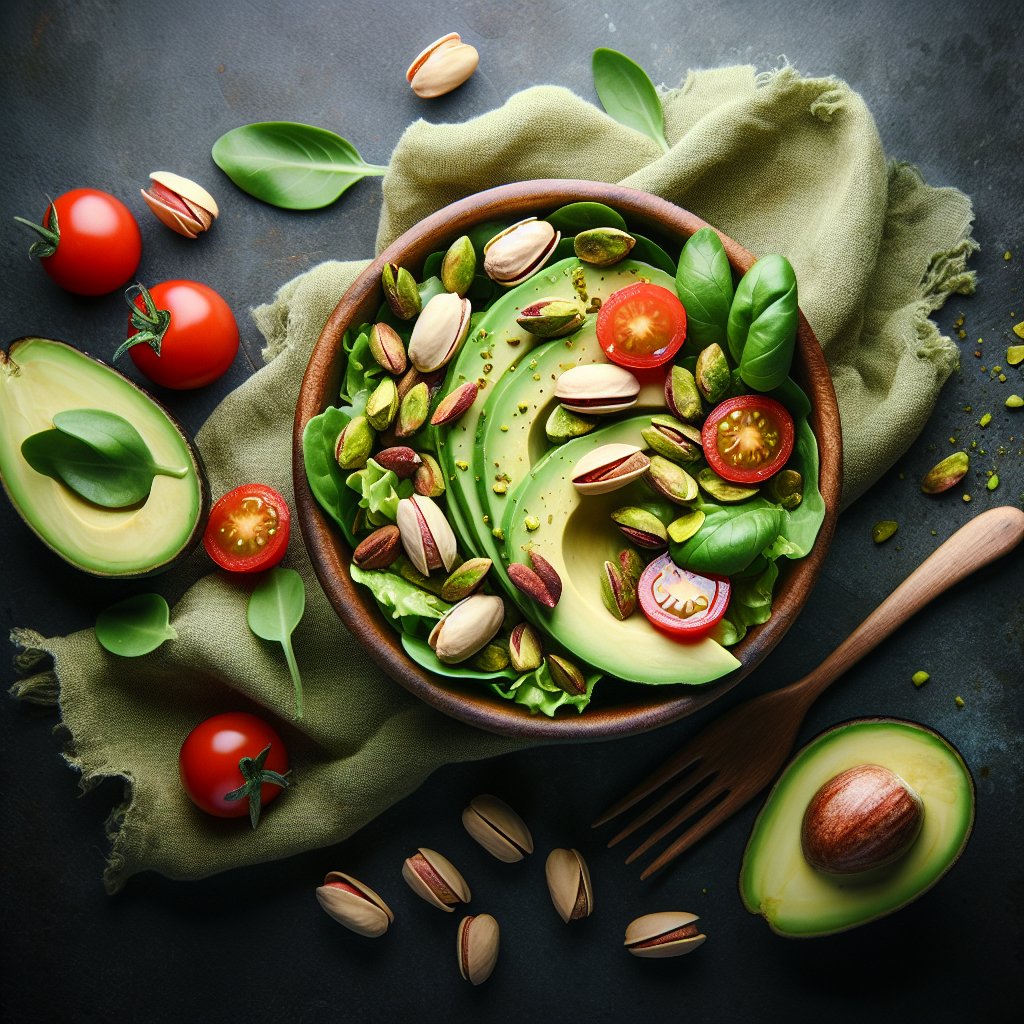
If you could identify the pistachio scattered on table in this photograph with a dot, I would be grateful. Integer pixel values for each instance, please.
(181, 204)
(354, 905)
(477, 947)
(664, 934)
(497, 828)
(569, 884)
(442, 66)
(433, 877)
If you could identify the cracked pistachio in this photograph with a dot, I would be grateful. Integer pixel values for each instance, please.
(682, 395)
(618, 591)
(722, 490)
(439, 331)
(568, 879)
(673, 439)
(608, 468)
(427, 537)
(563, 425)
(603, 247)
(354, 905)
(428, 479)
(459, 266)
(436, 879)
(466, 628)
(497, 828)
(519, 251)
(477, 943)
(712, 374)
(354, 444)
(524, 647)
(180, 204)
(551, 318)
(400, 291)
(664, 934)
(382, 405)
(643, 528)
(567, 676)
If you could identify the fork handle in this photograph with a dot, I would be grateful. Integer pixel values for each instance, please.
(982, 540)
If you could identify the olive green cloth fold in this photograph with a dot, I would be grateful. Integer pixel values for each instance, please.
(781, 163)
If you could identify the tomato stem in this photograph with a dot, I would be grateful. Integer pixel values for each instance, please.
(256, 776)
(150, 323)
(46, 245)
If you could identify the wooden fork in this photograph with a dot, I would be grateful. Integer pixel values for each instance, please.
(736, 756)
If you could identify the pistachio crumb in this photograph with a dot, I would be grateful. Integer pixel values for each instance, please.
(985, 420)
(531, 523)
(1014, 402)
(961, 334)
(1002, 378)
(958, 701)
(993, 482)
(1007, 255)
(920, 678)
(935, 533)
(536, 376)
(504, 428)
(462, 464)
(967, 497)
(500, 487)
(523, 406)
(952, 440)
(498, 533)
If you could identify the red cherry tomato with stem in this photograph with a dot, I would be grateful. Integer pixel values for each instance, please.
(748, 438)
(181, 334)
(232, 765)
(641, 326)
(248, 529)
(89, 243)
(679, 602)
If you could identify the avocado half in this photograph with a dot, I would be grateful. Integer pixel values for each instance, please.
(799, 901)
(40, 377)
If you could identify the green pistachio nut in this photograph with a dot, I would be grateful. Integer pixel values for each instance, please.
(722, 490)
(524, 648)
(1015, 353)
(603, 247)
(563, 425)
(786, 488)
(643, 528)
(459, 266)
(883, 530)
(567, 676)
(674, 439)
(428, 479)
(551, 318)
(946, 474)
(671, 481)
(683, 528)
(387, 348)
(412, 412)
(382, 405)
(493, 658)
(682, 395)
(400, 291)
(412, 575)
(631, 564)
(712, 374)
(464, 580)
(354, 444)
(1014, 401)
(618, 592)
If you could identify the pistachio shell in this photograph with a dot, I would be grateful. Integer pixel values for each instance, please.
(567, 675)
(664, 934)
(524, 647)
(465, 579)
(492, 657)
(466, 628)
(426, 535)
(400, 290)
(442, 66)
(459, 266)
(497, 828)
(382, 405)
(596, 388)
(603, 247)
(609, 467)
(429, 478)
(433, 877)
(412, 410)
(354, 905)
(439, 331)
(671, 481)
(354, 444)
(568, 881)
(563, 425)
(181, 204)
(673, 439)
(643, 528)
(551, 318)
(519, 251)
(477, 943)
(387, 348)
(618, 593)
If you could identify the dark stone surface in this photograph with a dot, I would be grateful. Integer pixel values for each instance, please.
(100, 92)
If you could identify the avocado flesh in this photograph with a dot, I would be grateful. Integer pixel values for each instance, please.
(576, 536)
(39, 378)
(798, 901)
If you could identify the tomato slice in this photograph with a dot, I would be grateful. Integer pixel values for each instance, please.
(248, 529)
(681, 602)
(747, 439)
(641, 325)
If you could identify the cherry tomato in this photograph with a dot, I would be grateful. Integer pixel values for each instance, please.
(181, 334)
(641, 325)
(747, 439)
(681, 602)
(89, 242)
(248, 529)
(232, 764)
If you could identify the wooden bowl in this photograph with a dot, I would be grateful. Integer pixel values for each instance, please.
(618, 708)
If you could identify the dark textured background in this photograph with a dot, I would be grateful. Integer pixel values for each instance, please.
(101, 92)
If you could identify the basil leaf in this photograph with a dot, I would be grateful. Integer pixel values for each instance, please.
(628, 95)
(800, 526)
(135, 626)
(295, 166)
(704, 286)
(647, 251)
(577, 217)
(275, 609)
(763, 321)
(730, 538)
(750, 603)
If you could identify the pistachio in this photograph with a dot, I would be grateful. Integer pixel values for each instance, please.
(442, 66)
(354, 905)
(542, 582)
(477, 945)
(631, 564)
(454, 405)
(181, 204)
(643, 528)
(618, 592)
(466, 628)
(551, 318)
(883, 530)
(439, 331)
(595, 388)
(459, 266)
(603, 247)
(464, 580)
(524, 648)
(567, 676)
(380, 549)
(712, 374)
(400, 291)
(492, 657)
(412, 410)
(412, 377)
(426, 536)
(946, 474)
(673, 439)
(683, 528)
(354, 444)
(665, 934)
(682, 395)
(436, 879)
(722, 490)
(1015, 353)
(382, 405)
(786, 488)
(387, 348)
(671, 481)
(609, 467)
(429, 478)
(497, 828)
(562, 425)
(1014, 401)
(409, 572)
(401, 460)
(569, 884)
(512, 255)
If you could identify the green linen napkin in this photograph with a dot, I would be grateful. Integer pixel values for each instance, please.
(779, 162)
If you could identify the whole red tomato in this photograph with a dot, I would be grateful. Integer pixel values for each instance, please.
(232, 764)
(89, 242)
(248, 529)
(181, 334)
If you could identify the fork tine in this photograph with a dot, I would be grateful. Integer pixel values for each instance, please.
(698, 831)
(685, 786)
(698, 803)
(665, 773)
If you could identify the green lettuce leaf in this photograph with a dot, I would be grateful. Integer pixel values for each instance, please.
(380, 491)
(750, 603)
(422, 653)
(537, 691)
(416, 609)
(362, 371)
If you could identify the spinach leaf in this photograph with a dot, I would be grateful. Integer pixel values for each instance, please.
(430, 287)
(295, 166)
(704, 285)
(135, 626)
(577, 217)
(98, 455)
(750, 603)
(326, 478)
(730, 538)
(647, 251)
(800, 526)
(275, 609)
(763, 322)
(628, 95)
(423, 654)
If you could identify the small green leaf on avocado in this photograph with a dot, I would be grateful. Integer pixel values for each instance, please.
(275, 608)
(628, 94)
(135, 626)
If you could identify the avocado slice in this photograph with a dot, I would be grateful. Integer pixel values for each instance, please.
(800, 902)
(40, 377)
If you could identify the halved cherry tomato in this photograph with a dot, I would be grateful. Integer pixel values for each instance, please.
(641, 325)
(248, 529)
(681, 602)
(232, 765)
(747, 439)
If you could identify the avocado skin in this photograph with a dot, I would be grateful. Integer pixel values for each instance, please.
(9, 365)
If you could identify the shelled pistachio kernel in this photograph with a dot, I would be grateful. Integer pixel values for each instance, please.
(883, 530)
(920, 678)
